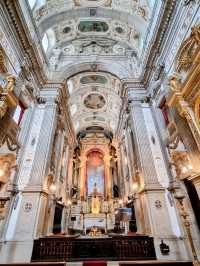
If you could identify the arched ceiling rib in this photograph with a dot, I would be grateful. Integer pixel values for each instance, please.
(74, 29)
(83, 38)
(94, 101)
(115, 68)
(126, 31)
(54, 19)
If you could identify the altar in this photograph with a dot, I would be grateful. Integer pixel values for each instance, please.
(94, 177)
(97, 220)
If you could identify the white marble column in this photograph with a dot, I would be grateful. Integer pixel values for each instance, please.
(27, 214)
(159, 218)
(124, 171)
(130, 164)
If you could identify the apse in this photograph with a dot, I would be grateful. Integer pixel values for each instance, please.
(99, 132)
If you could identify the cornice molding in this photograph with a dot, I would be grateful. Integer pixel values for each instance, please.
(154, 50)
(15, 18)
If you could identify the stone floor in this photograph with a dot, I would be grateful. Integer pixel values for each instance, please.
(109, 263)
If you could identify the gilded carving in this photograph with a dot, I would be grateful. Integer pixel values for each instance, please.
(197, 110)
(7, 98)
(188, 50)
(2, 61)
(180, 159)
(3, 106)
(8, 129)
(7, 162)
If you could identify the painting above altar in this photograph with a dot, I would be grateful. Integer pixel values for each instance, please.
(95, 174)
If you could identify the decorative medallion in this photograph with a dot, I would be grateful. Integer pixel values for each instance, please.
(158, 204)
(119, 29)
(28, 206)
(94, 101)
(66, 30)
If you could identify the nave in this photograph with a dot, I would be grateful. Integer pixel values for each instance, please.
(99, 132)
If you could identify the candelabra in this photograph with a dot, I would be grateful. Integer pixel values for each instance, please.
(83, 216)
(179, 196)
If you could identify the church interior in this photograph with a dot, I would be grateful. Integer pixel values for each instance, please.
(100, 132)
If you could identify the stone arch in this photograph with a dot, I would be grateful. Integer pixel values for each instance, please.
(114, 68)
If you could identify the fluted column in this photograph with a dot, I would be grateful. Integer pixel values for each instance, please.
(119, 171)
(27, 215)
(108, 181)
(149, 173)
(83, 177)
(151, 202)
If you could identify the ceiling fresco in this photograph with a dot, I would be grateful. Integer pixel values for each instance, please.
(94, 101)
(93, 44)
(72, 30)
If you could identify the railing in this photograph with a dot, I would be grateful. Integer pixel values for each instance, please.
(115, 248)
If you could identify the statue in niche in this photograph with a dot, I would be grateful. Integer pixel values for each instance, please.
(95, 200)
(74, 192)
(115, 191)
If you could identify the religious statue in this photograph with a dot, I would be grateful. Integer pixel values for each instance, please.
(174, 82)
(95, 200)
(115, 191)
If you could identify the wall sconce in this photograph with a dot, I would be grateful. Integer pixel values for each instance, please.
(120, 202)
(125, 160)
(69, 202)
(135, 187)
(52, 187)
(2, 173)
(186, 168)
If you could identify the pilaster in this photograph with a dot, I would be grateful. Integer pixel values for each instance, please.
(27, 214)
(158, 216)
(144, 148)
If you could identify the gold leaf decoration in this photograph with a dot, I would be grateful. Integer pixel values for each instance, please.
(189, 48)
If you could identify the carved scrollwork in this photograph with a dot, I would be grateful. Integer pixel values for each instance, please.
(197, 110)
(188, 50)
(2, 61)
(7, 98)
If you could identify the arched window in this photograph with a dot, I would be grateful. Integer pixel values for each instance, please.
(36, 4)
(48, 40)
(32, 3)
(45, 42)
